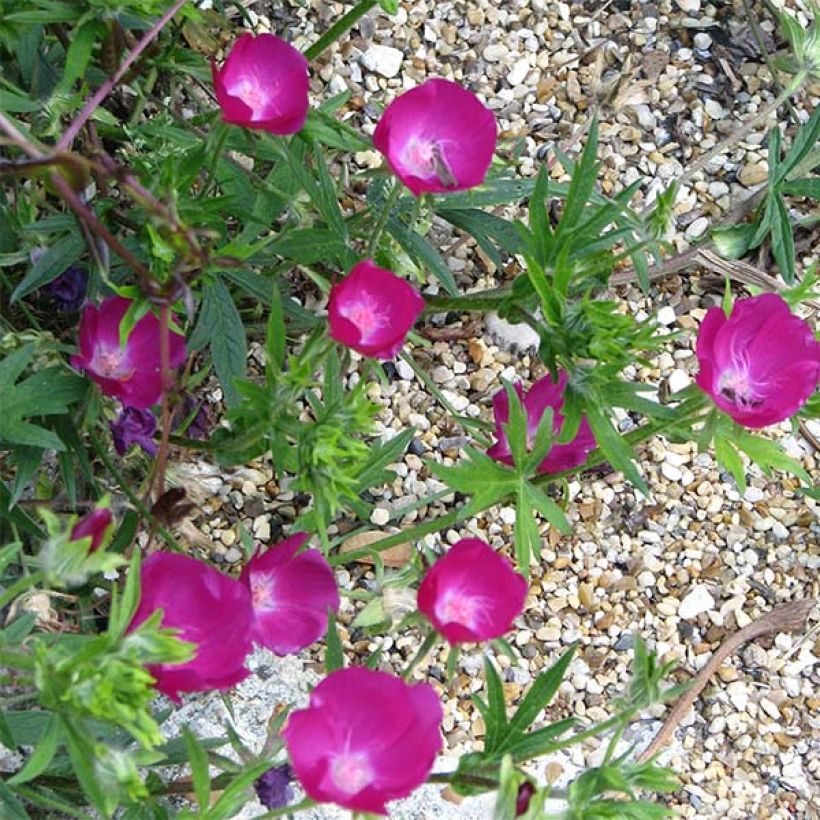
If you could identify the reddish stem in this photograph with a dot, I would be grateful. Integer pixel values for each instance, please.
(108, 86)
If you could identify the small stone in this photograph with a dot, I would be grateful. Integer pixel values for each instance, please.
(518, 72)
(698, 227)
(754, 173)
(696, 602)
(380, 516)
(383, 60)
(702, 40)
(689, 6)
(233, 555)
(666, 315)
(678, 380)
(228, 537)
(495, 52)
(670, 472)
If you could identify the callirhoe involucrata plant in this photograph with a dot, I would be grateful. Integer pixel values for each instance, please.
(176, 191)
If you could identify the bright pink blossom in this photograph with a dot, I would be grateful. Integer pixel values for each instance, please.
(131, 373)
(366, 737)
(437, 138)
(760, 365)
(372, 310)
(263, 84)
(543, 394)
(211, 610)
(94, 525)
(472, 593)
(291, 595)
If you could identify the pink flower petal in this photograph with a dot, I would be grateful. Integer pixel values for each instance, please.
(472, 593)
(372, 310)
(209, 609)
(94, 525)
(263, 84)
(366, 738)
(437, 138)
(291, 595)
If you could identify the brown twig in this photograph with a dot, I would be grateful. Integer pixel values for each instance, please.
(787, 618)
(108, 86)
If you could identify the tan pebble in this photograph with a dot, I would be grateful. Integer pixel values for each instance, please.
(754, 173)
(479, 729)
(553, 772)
(476, 349)
(728, 674)
(605, 621)
(561, 562)
(451, 796)
(585, 595)
(228, 537)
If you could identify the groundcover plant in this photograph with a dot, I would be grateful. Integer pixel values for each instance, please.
(175, 191)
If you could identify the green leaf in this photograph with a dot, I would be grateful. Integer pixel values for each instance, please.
(479, 474)
(236, 794)
(327, 130)
(495, 718)
(198, 758)
(584, 176)
(82, 753)
(79, 53)
(276, 335)
(220, 325)
(310, 245)
(768, 454)
(613, 446)
(61, 255)
(334, 656)
(783, 241)
(727, 455)
(491, 232)
(525, 533)
(805, 140)
(122, 614)
(12, 808)
(541, 693)
(382, 454)
(808, 187)
(539, 500)
(42, 755)
(422, 253)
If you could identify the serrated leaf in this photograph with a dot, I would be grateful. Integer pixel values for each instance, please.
(808, 187)
(551, 512)
(220, 325)
(727, 455)
(783, 241)
(612, 445)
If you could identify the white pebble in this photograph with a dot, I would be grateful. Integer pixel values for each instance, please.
(698, 601)
(678, 380)
(383, 60)
(380, 516)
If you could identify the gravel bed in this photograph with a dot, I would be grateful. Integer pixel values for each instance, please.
(683, 569)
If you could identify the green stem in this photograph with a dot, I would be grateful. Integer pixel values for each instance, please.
(383, 217)
(482, 300)
(339, 28)
(422, 653)
(217, 155)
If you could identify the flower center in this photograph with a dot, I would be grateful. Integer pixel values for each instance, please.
(351, 772)
(366, 314)
(424, 158)
(454, 607)
(737, 386)
(251, 92)
(112, 363)
(262, 590)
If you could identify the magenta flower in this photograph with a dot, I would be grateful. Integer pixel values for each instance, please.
(95, 525)
(472, 593)
(437, 138)
(211, 610)
(372, 310)
(543, 394)
(760, 365)
(291, 595)
(131, 373)
(263, 84)
(366, 737)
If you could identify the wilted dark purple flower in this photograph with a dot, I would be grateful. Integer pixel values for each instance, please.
(200, 425)
(68, 289)
(134, 426)
(273, 788)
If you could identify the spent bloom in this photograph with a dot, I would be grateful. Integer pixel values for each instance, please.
(95, 525)
(263, 84)
(134, 426)
(760, 365)
(372, 310)
(437, 137)
(472, 593)
(273, 788)
(210, 610)
(291, 594)
(543, 394)
(130, 373)
(68, 289)
(365, 738)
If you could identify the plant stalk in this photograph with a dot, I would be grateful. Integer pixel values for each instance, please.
(339, 28)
